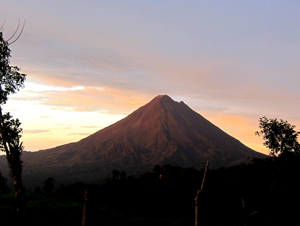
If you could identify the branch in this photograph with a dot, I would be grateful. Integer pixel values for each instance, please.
(203, 180)
(244, 206)
(14, 32)
(19, 34)
(199, 190)
(1, 29)
(197, 196)
(3, 135)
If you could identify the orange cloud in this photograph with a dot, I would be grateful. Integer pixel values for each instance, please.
(92, 99)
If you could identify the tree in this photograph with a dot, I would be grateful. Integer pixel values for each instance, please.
(3, 186)
(48, 185)
(279, 136)
(10, 131)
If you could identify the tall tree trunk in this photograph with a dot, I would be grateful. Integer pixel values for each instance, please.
(15, 163)
(197, 196)
(18, 185)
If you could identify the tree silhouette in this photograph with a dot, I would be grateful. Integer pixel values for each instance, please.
(115, 174)
(48, 185)
(10, 132)
(3, 186)
(279, 136)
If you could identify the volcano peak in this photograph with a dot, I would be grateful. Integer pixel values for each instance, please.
(162, 131)
(163, 98)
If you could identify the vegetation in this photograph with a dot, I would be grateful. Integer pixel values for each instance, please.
(279, 136)
(10, 131)
(3, 186)
(49, 185)
(264, 191)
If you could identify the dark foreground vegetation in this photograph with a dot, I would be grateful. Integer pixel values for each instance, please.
(262, 192)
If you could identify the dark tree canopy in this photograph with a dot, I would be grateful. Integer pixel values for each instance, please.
(279, 136)
(10, 82)
(49, 185)
(3, 186)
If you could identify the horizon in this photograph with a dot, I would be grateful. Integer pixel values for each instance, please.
(91, 64)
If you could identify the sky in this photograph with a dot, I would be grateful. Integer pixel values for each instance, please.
(91, 63)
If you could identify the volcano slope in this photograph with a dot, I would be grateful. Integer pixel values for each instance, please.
(161, 132)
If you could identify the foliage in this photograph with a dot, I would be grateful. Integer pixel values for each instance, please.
(10, 78)
(279, 136)
(12, 144)
(41, 210)
(48, 185)
(10, 82)
(245, 194)
(3, 186)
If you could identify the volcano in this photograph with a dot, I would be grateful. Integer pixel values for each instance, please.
(161, 132)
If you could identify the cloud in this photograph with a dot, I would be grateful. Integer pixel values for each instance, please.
(89, 127)
(125, 71)
(34, 131)
(225, 82)
(88, 99)
(80, 134)
(122, 55)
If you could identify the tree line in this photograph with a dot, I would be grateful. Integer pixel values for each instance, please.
(262, 191)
